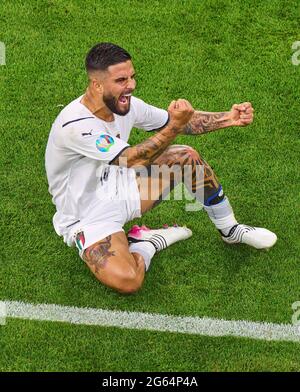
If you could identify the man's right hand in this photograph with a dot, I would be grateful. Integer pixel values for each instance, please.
(180, 113)
(145, 153)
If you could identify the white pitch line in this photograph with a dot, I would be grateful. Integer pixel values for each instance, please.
(153, 322)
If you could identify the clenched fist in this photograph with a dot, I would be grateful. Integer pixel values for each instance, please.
(180, 113)
(241, 114)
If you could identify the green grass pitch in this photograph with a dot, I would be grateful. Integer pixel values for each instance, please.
(215, 54)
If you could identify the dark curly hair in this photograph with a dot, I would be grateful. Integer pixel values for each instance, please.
(104, 54)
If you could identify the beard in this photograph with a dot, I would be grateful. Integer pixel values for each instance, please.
(112, 103)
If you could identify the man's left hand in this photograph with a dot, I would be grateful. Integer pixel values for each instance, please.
(241, 114)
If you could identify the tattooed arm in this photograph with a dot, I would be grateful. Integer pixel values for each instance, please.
(203, 122)
(145, 153)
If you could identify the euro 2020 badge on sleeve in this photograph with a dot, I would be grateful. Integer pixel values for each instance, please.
(104, 142)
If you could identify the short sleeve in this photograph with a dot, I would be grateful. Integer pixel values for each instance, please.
(148, 117)
(97, 145)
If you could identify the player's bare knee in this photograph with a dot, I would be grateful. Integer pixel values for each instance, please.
(182, 154)
(130, 284)
(190, 152)
(125, 282)
(129, 289)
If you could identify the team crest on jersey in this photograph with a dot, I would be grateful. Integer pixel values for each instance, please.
(80, 240)
(104, 142)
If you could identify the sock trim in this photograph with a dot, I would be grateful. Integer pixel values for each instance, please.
(231, 231)
(210, 198)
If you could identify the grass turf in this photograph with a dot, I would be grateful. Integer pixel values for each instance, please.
(214, 53)
(35, 346)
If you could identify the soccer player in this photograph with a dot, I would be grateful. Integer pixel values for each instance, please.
(93, 177)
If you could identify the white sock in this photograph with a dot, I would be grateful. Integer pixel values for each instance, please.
(222, 216)
(145, 249)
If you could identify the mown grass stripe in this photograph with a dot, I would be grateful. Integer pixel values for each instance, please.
(154, 322)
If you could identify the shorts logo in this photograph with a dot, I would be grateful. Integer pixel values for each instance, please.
(80, 240)
(104, 142)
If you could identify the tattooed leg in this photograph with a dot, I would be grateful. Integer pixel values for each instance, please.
(216, 204)
(113, 265)
(97, 255)
(184, 156)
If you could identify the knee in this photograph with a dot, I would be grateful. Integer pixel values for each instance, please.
(130, 283)
(125, 281)
(190, 153)
(122, 276)
(183, 153)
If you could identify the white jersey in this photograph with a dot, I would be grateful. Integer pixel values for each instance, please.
(79, 150)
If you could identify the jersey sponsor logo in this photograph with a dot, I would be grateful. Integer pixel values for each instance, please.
(104, 142)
